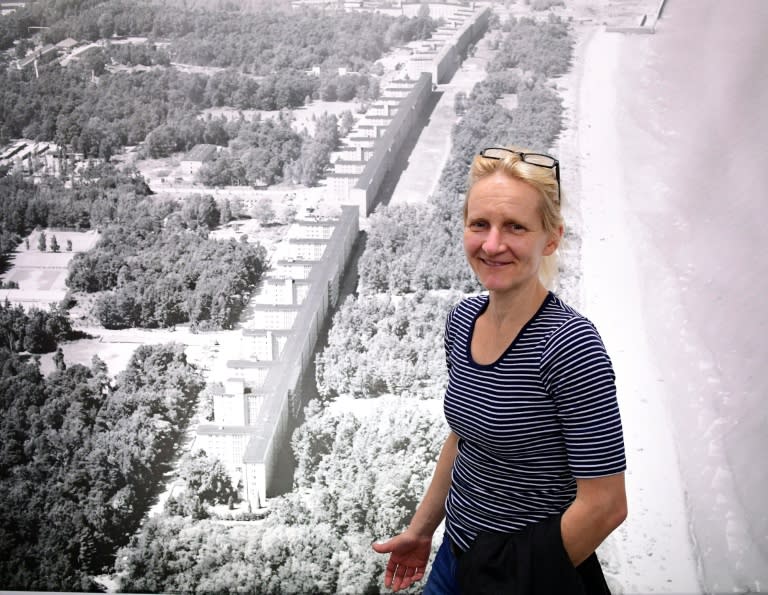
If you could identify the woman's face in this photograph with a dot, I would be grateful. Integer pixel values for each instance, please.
(504, 237)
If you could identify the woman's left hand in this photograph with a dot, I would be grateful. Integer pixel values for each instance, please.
(408, 557)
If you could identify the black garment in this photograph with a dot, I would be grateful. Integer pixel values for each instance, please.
(532, 561)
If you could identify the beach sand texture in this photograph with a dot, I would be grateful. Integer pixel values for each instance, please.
(671, 145)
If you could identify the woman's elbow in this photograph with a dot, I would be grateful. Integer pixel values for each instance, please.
(617, 513)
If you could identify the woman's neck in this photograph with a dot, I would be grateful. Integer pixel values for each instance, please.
(515, 307)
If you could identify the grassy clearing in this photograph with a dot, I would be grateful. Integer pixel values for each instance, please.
(42, 275)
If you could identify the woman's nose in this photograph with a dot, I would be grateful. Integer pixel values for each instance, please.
(493, 242)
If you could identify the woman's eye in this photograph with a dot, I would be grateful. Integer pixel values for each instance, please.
(477, 225)
(516, 228)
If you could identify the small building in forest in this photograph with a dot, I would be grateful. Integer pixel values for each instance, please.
(197, 156)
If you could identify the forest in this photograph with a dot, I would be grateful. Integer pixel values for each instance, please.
(255, 61)
(83, 456)
(386, 345)
(33, 331)
(260, 152)
(317, 539)
(141, 265)
(158, 268)
(100, 194)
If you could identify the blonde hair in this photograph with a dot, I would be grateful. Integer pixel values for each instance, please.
(542, 179)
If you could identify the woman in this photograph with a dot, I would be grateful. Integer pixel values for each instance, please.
(530, 479)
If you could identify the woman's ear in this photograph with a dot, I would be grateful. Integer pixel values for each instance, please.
(554, 241)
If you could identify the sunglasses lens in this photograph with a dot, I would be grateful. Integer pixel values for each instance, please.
(537, 159)
(495, 153)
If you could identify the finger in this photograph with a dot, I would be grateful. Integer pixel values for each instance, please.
(382, 546)
(418, 574)
(408, 578)
(389, 574)
(397, 581)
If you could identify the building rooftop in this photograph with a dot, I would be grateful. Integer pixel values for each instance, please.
(253, 332)
(299, 261)
(273, 307)
(67, 43)
(247, 364)
(307, 241)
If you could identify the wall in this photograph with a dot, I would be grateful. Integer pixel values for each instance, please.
(283, 399)
(452, 53)
(410, 115)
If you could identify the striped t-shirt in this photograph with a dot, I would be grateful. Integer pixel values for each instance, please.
(529, 424)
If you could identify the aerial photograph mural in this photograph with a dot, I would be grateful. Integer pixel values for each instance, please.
(362, 296)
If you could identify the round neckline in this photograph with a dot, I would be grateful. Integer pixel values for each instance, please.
(468, 347)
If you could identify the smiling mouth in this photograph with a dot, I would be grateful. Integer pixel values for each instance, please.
(493, 263)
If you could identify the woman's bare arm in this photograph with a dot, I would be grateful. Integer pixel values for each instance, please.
(600, 506)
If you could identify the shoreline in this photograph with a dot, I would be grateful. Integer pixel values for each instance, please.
(652, 551)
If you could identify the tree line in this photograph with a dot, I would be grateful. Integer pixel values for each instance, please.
(258, 41)
(98, 196)
(83, 457)
(259, 154)
(154, 263)
(160, 110)
(384, 345)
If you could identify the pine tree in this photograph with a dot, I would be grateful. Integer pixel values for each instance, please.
(58, 359)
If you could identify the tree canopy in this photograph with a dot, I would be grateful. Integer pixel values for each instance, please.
(82, 459)
(381, 345)
(158, 277)
(36, 331)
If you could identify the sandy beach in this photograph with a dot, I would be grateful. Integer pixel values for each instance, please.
(672, 268)
(652, 551)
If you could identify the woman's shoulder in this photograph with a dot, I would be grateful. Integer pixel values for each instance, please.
(567, 326)
(562, 319)
(557, 309)
(462, 316)
(470, 306)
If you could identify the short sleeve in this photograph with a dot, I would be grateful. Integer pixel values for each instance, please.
(578, 375)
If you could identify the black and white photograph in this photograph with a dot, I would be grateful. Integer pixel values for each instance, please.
(367, 296)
